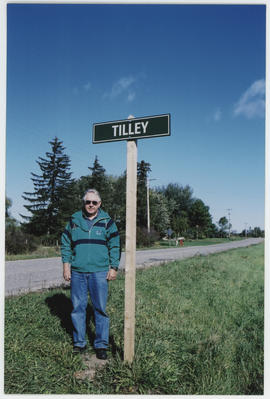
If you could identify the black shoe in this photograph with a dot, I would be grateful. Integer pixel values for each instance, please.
(101, 353)
(78, 349)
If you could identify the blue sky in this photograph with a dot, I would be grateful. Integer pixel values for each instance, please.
(69, 66)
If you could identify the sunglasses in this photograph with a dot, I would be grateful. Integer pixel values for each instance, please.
(90, 202)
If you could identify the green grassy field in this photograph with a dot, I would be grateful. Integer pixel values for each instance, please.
(199, 330)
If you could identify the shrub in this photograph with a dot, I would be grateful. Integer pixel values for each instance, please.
(18, 242)
(145, 239)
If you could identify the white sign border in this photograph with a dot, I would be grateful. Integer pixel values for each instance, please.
(128, 121)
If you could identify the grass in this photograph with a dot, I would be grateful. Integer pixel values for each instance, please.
(40, 252)
(51, 252)
(199, 242)
(199, 331)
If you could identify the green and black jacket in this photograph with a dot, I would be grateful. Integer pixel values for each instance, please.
(91, 250)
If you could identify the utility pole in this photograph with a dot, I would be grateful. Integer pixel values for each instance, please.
(148, 204)
(229, 213)
(246, 229)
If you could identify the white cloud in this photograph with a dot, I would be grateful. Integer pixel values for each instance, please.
(131, 96)
(252, 103)
(217, 115)
(87, 86)
(122, 86)
(75, 90)
(82, 87)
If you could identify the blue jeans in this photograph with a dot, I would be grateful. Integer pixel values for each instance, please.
(97, 284)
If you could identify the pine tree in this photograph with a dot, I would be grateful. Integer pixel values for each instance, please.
(98, 177)
(118, 201)
(51, 201)
(143, 168)
(199, 218)
(99, 180)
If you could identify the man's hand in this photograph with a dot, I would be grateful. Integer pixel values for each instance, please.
(66, 271)
(112, 274)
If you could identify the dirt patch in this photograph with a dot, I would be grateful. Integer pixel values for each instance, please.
(92, 364)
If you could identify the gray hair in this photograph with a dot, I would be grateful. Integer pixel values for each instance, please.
(91, 190)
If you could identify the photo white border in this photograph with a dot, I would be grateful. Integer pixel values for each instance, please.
(3, 71)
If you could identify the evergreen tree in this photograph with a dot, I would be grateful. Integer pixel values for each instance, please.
(117, 200)
(9, 220)
(51, 201)
(7, 206)
(99, 181)
(199, 218)
(79, 187)
(143, 168)
(97, 176)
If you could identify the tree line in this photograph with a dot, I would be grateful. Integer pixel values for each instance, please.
(174, 211)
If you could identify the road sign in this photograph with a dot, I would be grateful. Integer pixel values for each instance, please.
(132, 129)
(169, 232)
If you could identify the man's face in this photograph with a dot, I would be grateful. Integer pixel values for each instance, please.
(92, 203)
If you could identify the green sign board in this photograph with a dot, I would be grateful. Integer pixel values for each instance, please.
(132, 129)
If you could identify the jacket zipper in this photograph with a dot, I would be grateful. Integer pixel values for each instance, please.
(94, 225)
(89, 233)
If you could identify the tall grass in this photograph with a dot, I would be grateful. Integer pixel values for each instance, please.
(199, 330)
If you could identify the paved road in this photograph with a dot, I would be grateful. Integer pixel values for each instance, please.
(34, 274)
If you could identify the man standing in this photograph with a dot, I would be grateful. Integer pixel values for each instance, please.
(90, 254)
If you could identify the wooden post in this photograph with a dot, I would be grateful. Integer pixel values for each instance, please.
(155, 126)
(130, 266)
